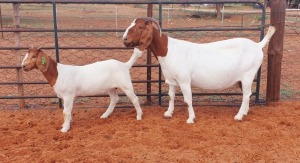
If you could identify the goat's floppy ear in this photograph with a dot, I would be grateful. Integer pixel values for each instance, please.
(42, 61)
(146, 37)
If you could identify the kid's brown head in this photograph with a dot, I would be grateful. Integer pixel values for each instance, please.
(35, 58)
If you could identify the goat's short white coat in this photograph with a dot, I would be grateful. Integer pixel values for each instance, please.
(216, 65)
(94, 79)
(90, 79)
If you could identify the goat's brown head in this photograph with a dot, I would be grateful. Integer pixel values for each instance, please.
(35, 58)
(139, 33)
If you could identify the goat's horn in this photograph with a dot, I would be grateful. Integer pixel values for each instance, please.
(155, 21)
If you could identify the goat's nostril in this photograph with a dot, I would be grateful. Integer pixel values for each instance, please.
(125, 39)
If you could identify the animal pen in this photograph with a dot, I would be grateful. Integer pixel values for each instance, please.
(81, 32)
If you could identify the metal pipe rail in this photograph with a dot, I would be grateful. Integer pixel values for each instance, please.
(133, 1)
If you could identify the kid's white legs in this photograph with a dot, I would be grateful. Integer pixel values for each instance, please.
(68, 105)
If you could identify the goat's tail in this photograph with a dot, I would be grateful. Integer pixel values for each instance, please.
(268, 36)
(136, 54)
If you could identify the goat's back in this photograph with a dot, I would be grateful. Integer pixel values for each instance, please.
(215, 65)
(93, 78)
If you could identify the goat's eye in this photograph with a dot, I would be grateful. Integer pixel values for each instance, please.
(140, 27)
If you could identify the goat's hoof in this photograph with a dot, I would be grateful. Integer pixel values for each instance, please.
(190, 121)
(103, 116)
(238, 117)
(64, 130)
(139, 117)
(167, 114)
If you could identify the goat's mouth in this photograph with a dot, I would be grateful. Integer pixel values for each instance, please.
(130, 44)
(26, 68)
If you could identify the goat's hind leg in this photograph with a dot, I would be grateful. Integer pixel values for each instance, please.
(187, 94)
(246, 88)
(113, 101)
(169, 112)
(128, 90)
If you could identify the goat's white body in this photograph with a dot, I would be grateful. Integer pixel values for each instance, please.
(94, 79)
(90, 79)
(216, 65)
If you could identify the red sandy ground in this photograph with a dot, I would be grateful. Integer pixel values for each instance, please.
(267, 134)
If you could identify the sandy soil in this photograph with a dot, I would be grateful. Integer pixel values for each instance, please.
(267, 134)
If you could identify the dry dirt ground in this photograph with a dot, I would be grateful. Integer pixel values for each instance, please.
(267, 134)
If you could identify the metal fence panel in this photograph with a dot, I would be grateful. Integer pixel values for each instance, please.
(89, 31)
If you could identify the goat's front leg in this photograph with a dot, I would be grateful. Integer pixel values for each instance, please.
(187, 94)
(68, 105)
(113, 101)
(169, 112)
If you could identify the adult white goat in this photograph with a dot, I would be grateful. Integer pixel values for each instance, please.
(71, 81)
(216, 65)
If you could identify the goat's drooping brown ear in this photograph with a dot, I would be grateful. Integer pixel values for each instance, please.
(146, 37)
(42, 61)
(149, 19)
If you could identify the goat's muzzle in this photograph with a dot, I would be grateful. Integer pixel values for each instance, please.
(130, 44)
(27, 67)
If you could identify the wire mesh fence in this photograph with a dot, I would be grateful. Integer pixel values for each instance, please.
(79, 24)
(290, 80)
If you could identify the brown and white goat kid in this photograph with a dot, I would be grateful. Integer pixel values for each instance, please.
(69, 81)
(216, 65)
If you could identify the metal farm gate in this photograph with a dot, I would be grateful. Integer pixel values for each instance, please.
(85, 31)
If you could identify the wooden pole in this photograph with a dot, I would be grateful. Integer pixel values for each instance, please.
(16, 19)
(275, 51)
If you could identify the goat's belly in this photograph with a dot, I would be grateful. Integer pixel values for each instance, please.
(90, 90)
(213, 85)
(214, 81)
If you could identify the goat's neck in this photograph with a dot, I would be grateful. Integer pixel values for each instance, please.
(51, 73)
(159, 44)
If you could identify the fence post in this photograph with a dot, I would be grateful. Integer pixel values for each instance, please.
(160, 72)
(16, 19)
(56, 40)
(275, 51)
(149, 61)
